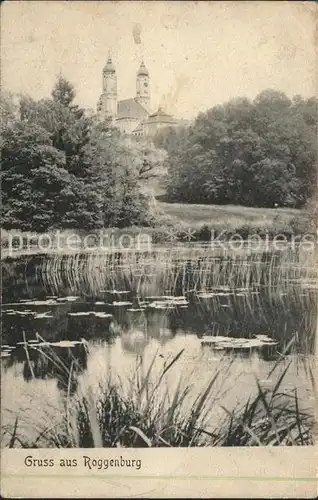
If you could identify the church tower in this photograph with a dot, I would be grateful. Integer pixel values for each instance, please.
(143, 87)
(107, 105)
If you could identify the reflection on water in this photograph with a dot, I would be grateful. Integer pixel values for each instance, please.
(110, 309)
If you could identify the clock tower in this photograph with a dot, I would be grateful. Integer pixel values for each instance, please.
(107, 105)
(143, 87)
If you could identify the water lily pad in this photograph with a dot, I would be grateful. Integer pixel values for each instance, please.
(41, 344)
(65, 343)
(70, 298)
(100, 303)
(46, 314)
(160, 297)
(49, 302)
(213, 339)
(123, 303)
(21, 313)
(208, 295)
(135, 310)
(80, 313)
(266, 339)
(160, 305)
(238, 343)
(167, 301)
(5, 354)
(102, 315)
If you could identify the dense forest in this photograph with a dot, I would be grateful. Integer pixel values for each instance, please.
(62, 168)
(260, 153)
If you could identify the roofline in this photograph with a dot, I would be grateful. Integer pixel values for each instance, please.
(162, 121)
(131, 99)
(159, 114)
(127, 118)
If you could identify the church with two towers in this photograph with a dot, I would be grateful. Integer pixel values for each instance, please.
(132, 116)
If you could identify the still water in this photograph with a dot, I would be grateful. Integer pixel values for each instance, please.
(100, 313)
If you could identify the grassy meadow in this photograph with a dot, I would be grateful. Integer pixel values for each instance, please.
(200, 220)
(231, 217)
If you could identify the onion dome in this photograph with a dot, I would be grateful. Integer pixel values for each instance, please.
(142, 70)
(109, 68)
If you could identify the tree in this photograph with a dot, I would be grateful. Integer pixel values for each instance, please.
(252, 153)
(63, 92)
(170, 138)
(33, 175)
(116, 177)
(67, 124)
(8, 109)
(145, 159)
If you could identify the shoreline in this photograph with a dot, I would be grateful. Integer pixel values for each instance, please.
(248, 245)
(179, 224)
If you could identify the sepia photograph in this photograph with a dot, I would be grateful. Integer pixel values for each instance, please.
(159, 227)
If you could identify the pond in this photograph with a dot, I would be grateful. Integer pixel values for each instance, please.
(72, 321)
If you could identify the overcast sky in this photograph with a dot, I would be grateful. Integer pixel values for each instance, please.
(198, 53)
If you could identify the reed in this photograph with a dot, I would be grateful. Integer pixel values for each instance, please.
(283, 285)
(205, 266)
(147, 409)
(155, 408)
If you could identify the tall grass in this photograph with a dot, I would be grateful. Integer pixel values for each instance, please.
(283, 286)
(155, 408)
(183, 269)
(268, 292)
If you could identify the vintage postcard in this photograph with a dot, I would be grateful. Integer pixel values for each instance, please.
(159, 249)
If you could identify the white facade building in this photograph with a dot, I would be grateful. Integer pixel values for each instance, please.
(132, 116)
